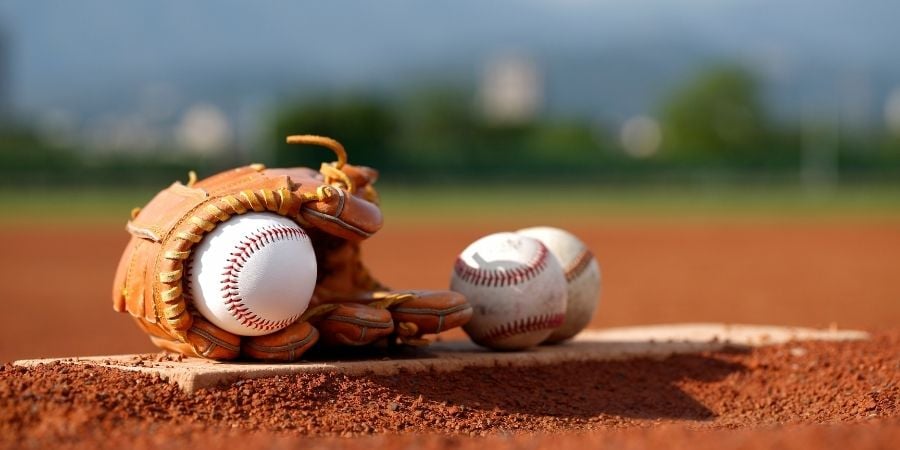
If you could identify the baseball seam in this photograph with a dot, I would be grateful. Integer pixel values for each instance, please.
(579, 265)
(521, 326)
(231, 276)
(499, 278)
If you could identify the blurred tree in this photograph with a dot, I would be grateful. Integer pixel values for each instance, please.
(437, 127)
(436, 131)
(21, 150)
(567, 142)
(719, 112)
(364, 125)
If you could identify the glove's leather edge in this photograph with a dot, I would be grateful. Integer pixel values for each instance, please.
(158, 298)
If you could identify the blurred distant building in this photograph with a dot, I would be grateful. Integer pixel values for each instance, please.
(128, 133)
(148, 126)
(204, 129)
(640, 136)
(511, 90)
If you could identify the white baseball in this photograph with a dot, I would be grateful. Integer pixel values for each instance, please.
(516, 288)
(582, 278)
(253, 274)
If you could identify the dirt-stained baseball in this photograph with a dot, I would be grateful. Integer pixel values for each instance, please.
(253, 274)
(582, 278)
(516, 288)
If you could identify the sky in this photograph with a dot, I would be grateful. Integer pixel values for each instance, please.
(607, 58)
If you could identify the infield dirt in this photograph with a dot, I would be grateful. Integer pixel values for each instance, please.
(795, 383)
(57, 280)
(56, 283)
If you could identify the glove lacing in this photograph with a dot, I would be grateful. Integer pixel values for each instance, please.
(332, 172)
(335, 176)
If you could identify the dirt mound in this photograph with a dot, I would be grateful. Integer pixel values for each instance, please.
(796, 383)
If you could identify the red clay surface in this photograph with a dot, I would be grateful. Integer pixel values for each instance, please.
(56, 280)
(56, 299)
(856, 383)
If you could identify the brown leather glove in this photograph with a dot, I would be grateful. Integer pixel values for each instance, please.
(338, 208)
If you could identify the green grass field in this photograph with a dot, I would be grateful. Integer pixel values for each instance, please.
(497, 203)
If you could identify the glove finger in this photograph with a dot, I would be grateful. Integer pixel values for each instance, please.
(354, 324)
(204, 340)
(433, 311)
(288, 344)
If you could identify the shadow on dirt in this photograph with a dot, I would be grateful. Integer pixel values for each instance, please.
(637, 388)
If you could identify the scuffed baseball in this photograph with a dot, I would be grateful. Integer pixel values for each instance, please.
(516, 288)
(253, 274)
(582, 273)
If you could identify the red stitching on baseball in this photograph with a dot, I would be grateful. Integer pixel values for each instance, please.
(498, 278)
(526, 325)
(579, 265)
(243, 250)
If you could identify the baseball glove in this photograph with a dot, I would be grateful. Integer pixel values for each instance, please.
(338, 208)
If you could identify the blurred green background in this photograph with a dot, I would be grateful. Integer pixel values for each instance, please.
(667, 107)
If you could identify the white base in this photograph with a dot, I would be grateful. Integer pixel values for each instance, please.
(591, 345)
